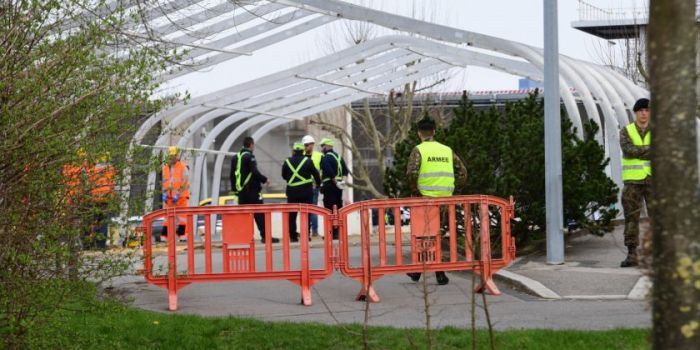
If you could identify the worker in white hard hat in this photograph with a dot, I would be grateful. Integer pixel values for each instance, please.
(309, 144)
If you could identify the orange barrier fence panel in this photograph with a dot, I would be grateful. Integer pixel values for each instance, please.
(427, 234)
(434, 233)
(233, 228)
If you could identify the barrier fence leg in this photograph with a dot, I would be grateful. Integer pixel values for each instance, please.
(305, 266)
(487, 283)
(367, 292)
(172, 264)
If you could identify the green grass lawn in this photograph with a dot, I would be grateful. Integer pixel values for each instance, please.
(112, 326)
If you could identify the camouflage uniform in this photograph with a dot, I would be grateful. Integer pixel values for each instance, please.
(634, 191)
(413, 170)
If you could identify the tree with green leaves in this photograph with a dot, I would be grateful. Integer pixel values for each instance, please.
(70, 79)
(504, 154)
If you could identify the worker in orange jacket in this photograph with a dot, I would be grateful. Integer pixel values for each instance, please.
(90, 188)
(176, 189)
(74, 178)
(101, 188)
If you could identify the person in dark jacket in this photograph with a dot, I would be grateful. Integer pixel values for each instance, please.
(333, 169)
(301, 174)
(247, 181)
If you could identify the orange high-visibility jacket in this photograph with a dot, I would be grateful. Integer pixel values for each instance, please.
(72, 174)
(101, 182)
(176, 178)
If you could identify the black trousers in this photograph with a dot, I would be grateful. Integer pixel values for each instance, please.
(332, 196)
(297, 198)
(254, 198)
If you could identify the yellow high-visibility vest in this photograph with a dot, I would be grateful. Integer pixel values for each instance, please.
(296, 179)
(635, 169)
(316, 158)
(436, 177)
(240, 183)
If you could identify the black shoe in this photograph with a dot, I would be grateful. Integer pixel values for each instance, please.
(630, 261)
(294, 239)
(441, 278)
(274, 240)
(415, 276)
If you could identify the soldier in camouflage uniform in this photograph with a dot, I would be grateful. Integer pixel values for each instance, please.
(416, 166)
(635, 140)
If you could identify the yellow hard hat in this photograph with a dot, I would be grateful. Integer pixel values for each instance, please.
(298, 146)
(104, 157)
(327, 141)
(173, 151)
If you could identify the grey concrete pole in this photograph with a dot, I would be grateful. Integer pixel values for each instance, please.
(552, 137)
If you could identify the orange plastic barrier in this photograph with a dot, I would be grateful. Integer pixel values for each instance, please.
(432, 221)
(238, 250)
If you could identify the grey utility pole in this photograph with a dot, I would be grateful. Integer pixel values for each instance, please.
(552, 137)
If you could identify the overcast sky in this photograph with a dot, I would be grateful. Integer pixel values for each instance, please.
(518, 20)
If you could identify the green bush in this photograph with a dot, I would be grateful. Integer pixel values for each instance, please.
(504, 155)
(69, 81)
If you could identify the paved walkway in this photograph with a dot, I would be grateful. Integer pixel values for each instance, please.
(590, 291)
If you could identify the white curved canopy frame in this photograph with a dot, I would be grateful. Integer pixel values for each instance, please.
(337, 79)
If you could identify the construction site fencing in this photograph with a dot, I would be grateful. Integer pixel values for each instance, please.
(395, 236)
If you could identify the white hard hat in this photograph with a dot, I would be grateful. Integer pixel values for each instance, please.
(308, 139)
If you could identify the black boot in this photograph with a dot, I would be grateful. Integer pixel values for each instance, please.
(631, 259)
(441, 278)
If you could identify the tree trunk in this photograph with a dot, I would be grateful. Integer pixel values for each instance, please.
(675, 207)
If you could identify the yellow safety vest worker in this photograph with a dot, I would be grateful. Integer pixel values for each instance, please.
(239, 185)
(634, 169)
(316, 158)
(339, 173)
(292, 182)
(436, 177)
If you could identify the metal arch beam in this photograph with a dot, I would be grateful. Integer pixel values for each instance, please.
(343, 98)
(567, 78)
(432, 30)
(188, 38)
(567, 89)
(618, 87)
(218, 10)
(313, 104)
(615, 164)
(241, 35)
(264, 84)
(238, 117)
(612, 96)
(635, 90)
(197, 171)
(276, 103)
(520, 68)
(253, 46)
(592, 87)
(611, 125)
(299, 91)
